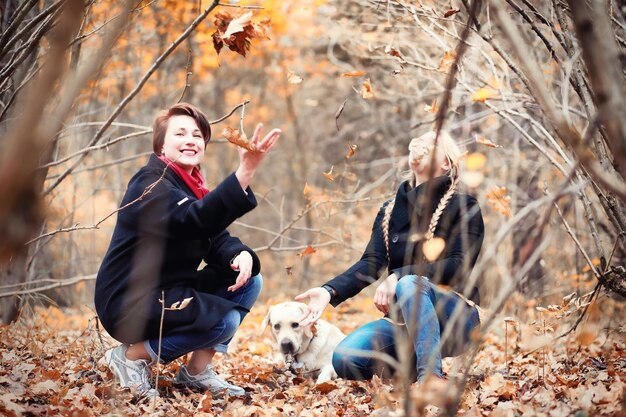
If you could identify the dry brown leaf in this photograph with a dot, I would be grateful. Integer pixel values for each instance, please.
(484, 141)
(238, 24)
(433, 108)
(237, 32)
(451, 12)
(241, 140)
(393, 52)
(353, 74)
(447, 60)
(366, 90)
(351, 150)
(329, 175)
(500, 201)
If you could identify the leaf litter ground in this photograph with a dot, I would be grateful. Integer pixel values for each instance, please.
(49, 365)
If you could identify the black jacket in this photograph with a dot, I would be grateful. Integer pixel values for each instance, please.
(162, 234)
(461, 226)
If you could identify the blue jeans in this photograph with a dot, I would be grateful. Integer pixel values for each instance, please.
(427, 311)
(218, 338)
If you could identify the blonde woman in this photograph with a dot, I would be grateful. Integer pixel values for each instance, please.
(427, 206)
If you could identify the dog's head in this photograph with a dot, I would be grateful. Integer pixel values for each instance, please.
(283, 320)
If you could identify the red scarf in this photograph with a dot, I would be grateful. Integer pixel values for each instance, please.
(195, 181)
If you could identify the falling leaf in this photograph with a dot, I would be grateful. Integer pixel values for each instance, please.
(353, 74)
(393, 52)
(500, 201)
(338, 113)
(432, 108)
(483, 94)
(484, 141)
(241, 140)
(237, 32)
(451, 12)
(398, 70)
(351, 150)
(366, 90)
(238, 24)
(185, 303)
(329, 175)
(309, 250)
(433, 248)
(447, 60)
(476, 161)
(293, 78)
(307, 189)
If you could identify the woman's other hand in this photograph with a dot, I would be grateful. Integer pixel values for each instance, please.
(318, 300)
(385, 292)
(242, 263)
(249, 161)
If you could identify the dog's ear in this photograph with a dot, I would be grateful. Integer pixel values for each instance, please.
(308, 331)
(265, 321)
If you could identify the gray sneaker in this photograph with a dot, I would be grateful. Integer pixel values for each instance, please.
(132, 374)
(206, 380)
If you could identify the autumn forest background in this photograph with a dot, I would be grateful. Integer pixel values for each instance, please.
(533, 91)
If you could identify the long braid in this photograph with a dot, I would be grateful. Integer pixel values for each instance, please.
(385, 225)
(430, 233)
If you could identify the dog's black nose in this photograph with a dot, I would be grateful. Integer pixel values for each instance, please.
(286, 346)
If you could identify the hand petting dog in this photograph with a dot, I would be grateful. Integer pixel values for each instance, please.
(318, 298)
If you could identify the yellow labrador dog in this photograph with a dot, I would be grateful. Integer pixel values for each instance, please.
(311, 346)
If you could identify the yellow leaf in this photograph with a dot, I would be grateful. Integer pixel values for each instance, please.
(353, 74)
(432, 248)
(366, 90)
(293, 78)
(307, 189)
(476, 161)
(483, 94)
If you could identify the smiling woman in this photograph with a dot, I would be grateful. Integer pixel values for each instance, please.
(169, 224)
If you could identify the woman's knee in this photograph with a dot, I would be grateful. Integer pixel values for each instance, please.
(230, 323)
(350, 367)
(410, 284)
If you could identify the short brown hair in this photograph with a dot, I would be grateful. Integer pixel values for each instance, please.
(181, 109)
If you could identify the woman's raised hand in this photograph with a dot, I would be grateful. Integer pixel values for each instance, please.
(318, 300)
(249, 160)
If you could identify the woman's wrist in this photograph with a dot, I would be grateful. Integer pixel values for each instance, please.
(244, 176)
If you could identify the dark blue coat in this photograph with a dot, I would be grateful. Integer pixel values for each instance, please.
(461, 226)
(162, 234)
